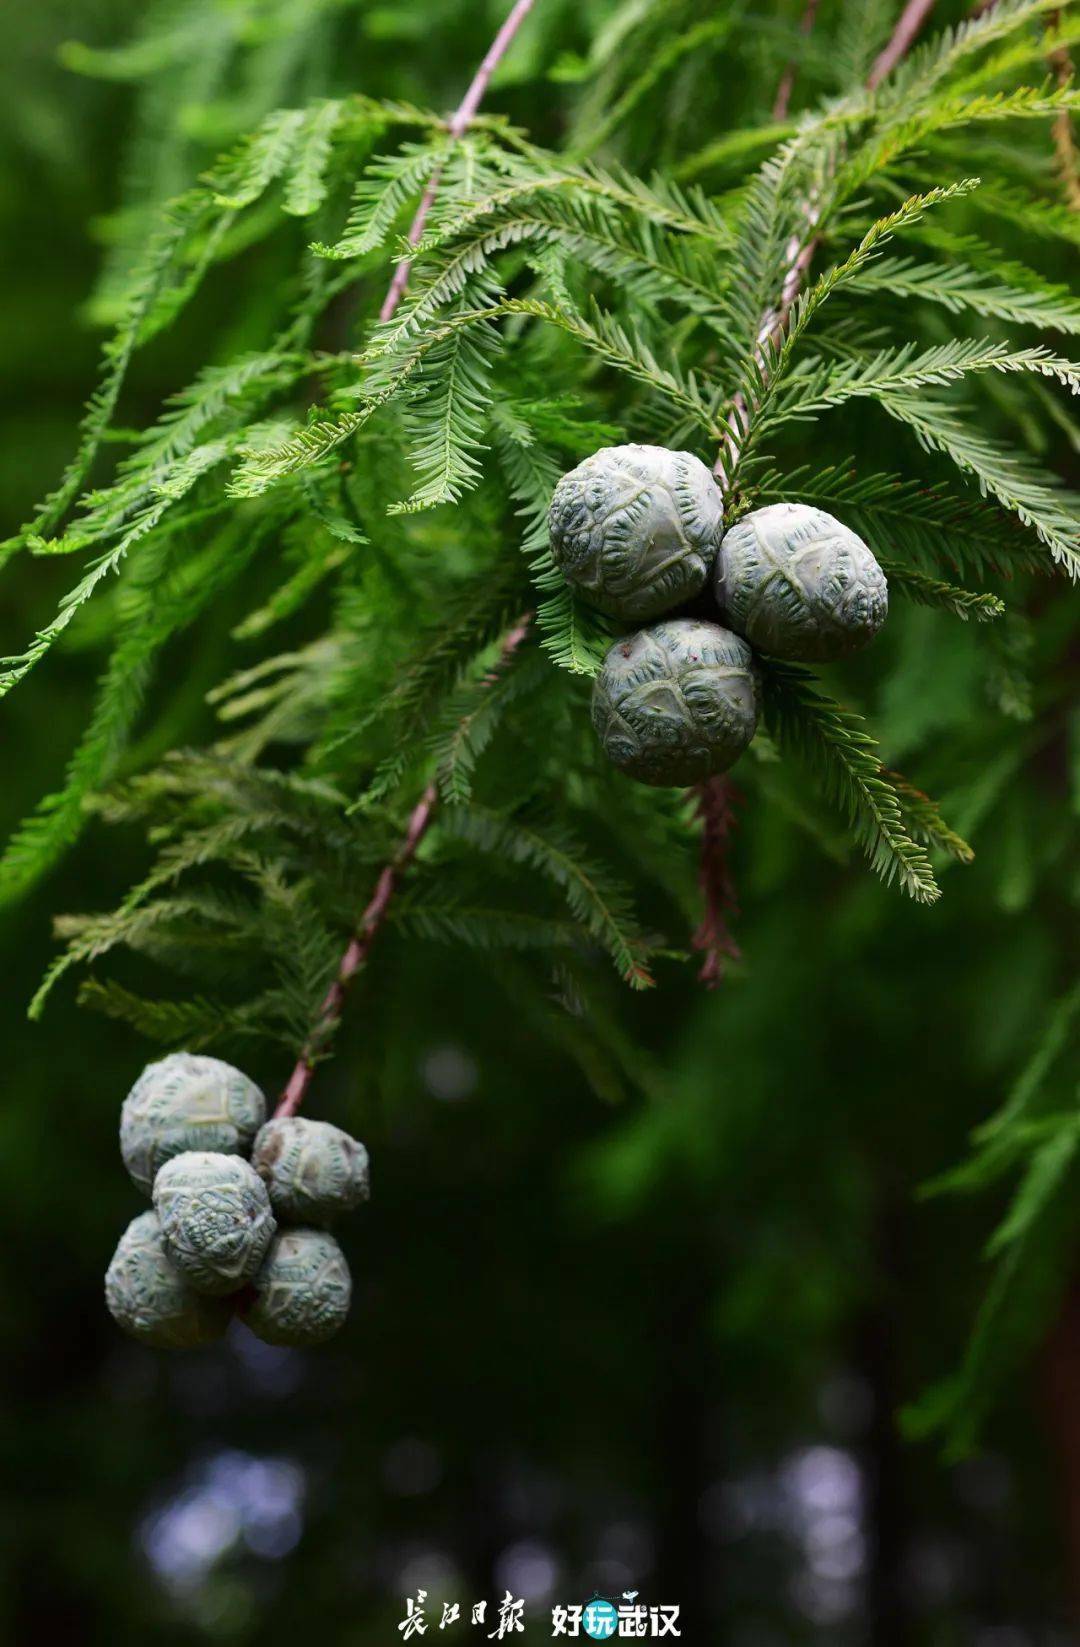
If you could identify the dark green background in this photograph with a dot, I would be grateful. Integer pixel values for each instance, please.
(659, 1348)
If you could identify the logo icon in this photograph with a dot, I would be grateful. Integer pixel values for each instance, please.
(600, 1619)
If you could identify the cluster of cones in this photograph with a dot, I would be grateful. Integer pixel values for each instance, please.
(240, 1209)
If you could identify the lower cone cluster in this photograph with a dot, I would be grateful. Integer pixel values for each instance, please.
(241, 1206)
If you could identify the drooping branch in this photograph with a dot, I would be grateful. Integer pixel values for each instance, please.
(356, 952)
(803, 243)
(716, 802)
(371, 921)
(912, 18)
(782, 101)
(459, 123)
(713, 935)
(1068, 157)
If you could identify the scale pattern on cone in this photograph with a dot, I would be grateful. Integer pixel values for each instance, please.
(187, 1102)
(635, 529)
(799, 584)
(313, 1171)
(676, 703)
(215, 1219)
(152, 1300)
(303, 1290)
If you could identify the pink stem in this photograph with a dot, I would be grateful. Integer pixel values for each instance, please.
(499, 48)
(358, 948)
(716, 800)
(802, 245)
(787, 79)
(401, 274)
(1068, 160)
(912, 18)
(374, 915)
(371, 921)
(459, 123)
(713, 936)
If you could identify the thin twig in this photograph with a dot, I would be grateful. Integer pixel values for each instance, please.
(775, 320)
(1068, 156)
(716, 801)
(357, 951)
(799, 251)
(912, 18)
(782, 101)
(713, 936)
(1068, 160)
(371, 921)
(800, 254)
(459, 122)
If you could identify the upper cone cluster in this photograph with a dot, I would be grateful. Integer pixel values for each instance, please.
(194, 1137)
(639, 532)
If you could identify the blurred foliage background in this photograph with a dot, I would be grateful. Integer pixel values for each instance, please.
(659, 1345)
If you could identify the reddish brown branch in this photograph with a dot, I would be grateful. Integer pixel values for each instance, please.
(713, 936)
(800, 253)
(716, 802)
(912, 18)
(804, 242)
(371, 921)
(367, 930)
(1068, 160)
(459, 122)
(358, 949)
(782, 101)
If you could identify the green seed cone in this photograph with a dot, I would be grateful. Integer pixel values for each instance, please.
(313, 1171)
(216, 1220)
(303, 1290)
(186, 1102)
(153, 1300)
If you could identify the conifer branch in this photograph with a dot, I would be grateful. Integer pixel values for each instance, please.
(359, 945)
(1068, 157)
(911, 20)
(357, 951)
(371, 921)
(504, 231)
(799, 254)
(459, 124)
(835, 744)
(713, 935)
(782, 101)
